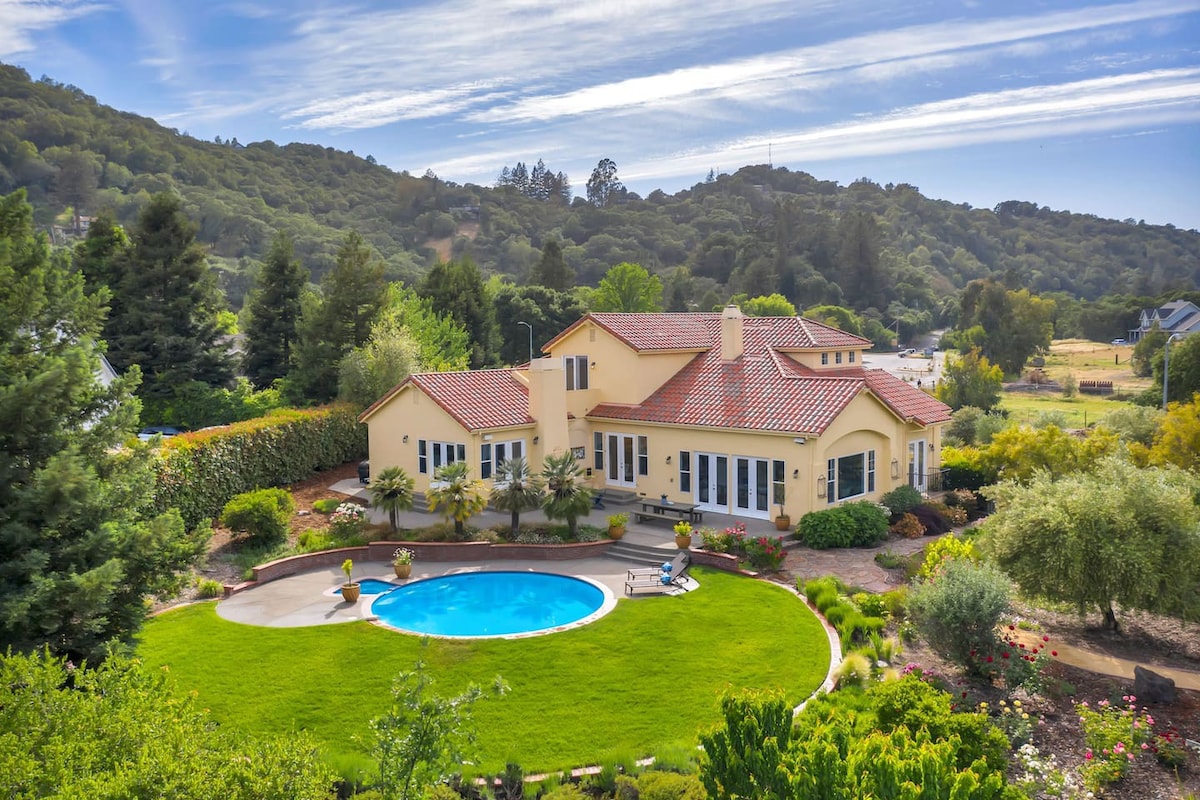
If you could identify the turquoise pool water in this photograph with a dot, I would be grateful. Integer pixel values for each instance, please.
(489, 604)
(369, 586)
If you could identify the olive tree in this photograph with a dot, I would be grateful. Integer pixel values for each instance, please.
(1118, 535)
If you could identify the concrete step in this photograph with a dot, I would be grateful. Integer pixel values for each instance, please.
(640, 553)
(620, 497)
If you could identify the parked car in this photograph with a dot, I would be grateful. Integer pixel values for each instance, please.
(1119, 342)
(165, 431)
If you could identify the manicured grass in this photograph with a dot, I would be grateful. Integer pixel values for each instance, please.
(1080, 410)
(647, 676)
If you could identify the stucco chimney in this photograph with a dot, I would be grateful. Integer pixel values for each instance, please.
(731, 333)
(548, 404)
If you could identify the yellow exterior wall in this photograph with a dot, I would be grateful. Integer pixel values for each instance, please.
(412, 413)
(812, 358)
(620, 374)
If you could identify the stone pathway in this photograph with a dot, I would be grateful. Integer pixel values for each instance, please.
(1111, 665)
(854, 566)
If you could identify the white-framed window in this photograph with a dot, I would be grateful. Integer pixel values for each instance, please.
(850, 476)
(837, 357)
(576, 368)
(685, 471)
(598, 451)
(493, 454)
(851, 356)
(643, 456)
(431, 455)
(824, 359)
(778, 470)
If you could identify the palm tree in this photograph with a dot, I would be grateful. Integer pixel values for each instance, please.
(392, 490)
(459, 497)
(567, 496)
(516, 489)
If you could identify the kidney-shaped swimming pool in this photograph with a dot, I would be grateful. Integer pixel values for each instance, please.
(480, 604)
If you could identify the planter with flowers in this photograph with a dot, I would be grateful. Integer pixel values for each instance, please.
(350, 588)
(616, 525)
(683, 535)
(402, 560)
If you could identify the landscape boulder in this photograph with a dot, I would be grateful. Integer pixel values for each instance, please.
(1150, 687)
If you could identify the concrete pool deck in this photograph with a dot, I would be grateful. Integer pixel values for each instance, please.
(307, 598)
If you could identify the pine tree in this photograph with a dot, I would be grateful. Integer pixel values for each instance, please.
(165, 320)
(78, 554)
(456, 289)
(551, 269)
(336, 321)
(274, 313)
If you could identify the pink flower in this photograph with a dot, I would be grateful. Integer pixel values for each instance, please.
(1088, 755)
(1145, 746)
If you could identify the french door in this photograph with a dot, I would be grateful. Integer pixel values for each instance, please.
(916, 465)
(712, 482)
(752, 487)
(622, 460)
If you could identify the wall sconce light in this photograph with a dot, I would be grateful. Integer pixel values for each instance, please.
(895, 468)
(795, 473)
(820, 486)
(593, 365)
(668, 459)
(405, 439)
(535, 440)
(487, 437)
(800, 440)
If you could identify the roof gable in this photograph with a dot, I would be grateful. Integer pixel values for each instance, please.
(478, 400)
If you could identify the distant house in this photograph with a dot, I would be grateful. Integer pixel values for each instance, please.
(1177, 316)
(733, 414)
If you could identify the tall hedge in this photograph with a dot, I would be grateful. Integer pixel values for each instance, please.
(199, 472)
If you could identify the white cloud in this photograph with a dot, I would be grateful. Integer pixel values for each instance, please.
(1101, 104)
(20, 20)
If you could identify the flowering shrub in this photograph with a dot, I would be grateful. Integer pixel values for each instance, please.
(402, 555)
(348, 520)
(1169, 749)
(1042, 776)
(908, 526)
(730, 540)
(1114, 736)
(937, 552)
(765, 553)
(1015, 721)
(1016, 664)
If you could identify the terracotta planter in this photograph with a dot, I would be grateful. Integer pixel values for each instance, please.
(402, 570)
(783, 522)
(616, 531)
(683, 542)
(350, 592)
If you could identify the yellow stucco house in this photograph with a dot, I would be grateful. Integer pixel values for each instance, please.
(731, 413)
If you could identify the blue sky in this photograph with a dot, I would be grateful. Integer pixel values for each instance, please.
(1091, 107)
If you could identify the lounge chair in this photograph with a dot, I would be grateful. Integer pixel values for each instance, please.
(656, 578)
(675, 567)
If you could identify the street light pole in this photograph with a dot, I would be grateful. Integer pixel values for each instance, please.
(527, 325)
(1167, 364)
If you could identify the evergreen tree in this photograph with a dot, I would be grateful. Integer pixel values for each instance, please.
(858, 258)
(78, 553)
(548, 311)
(603, 187)
(336, 321)
(456, 289)
(165, 321)
(274, 308)
(96, 255)
(551, 269)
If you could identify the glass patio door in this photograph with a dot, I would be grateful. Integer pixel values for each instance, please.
(917, 474)
(752, 486)
(621, 458)
(712, 482)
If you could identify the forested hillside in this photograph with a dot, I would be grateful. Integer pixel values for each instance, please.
(758, 231)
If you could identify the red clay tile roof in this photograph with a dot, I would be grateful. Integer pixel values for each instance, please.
(766, 390)
(906, 400)
(478, 400)
(699, 331)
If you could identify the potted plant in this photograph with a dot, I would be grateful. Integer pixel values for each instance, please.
(350, 589)
(402, 560)
(683, 534)
(782, 520)
(616, 525)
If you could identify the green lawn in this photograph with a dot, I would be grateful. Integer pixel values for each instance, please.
(647, 676)
(1080, 410)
